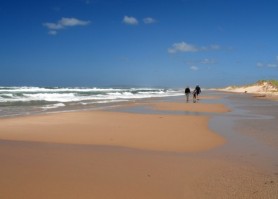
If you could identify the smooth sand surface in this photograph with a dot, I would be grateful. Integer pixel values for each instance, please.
(267, 97)
(192, 107)
(142, 131)
(58, 171)
(112, 155)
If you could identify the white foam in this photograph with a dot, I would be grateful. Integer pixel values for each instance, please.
(51, 97)
(52, 106)
(56, 89)
(28, 94)
(7, 95)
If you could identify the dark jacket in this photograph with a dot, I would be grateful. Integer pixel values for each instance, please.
(198, 89)
(187, 90)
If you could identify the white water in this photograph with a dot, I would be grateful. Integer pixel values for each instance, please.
(27, 100)
(28, 94)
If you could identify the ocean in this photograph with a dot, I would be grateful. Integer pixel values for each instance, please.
(17, 101)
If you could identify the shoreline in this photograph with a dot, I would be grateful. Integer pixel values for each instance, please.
(151, 132)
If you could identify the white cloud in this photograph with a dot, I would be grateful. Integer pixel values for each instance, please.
(130, 20)
(194, 68)
(72, 22)
(185, 47)
(149, 20)
(53, 26)
(182, 47)
(63, 23)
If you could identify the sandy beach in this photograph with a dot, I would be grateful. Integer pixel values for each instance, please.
(197, 107)
(108, 154)
(126, 99)
(147, 132)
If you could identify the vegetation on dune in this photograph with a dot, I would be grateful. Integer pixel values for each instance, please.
(273, 83)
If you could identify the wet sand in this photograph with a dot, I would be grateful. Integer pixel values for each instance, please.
(196, 107)
(125, 155)
(267, 97)
(37, 170)
(142, 131)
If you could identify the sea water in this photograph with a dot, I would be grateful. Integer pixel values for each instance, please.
(16, 101)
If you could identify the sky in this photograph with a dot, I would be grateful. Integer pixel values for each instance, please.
(150, 43)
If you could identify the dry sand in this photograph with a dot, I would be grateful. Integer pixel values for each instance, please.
(108, 155)
(58, 171)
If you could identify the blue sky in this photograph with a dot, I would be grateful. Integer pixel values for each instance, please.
(171, 43)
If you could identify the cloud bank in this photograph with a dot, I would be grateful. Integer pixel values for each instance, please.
(129, 20)
(64, 23)
(182, 47)
(185, 47)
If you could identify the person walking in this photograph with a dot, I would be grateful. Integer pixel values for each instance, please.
(187, 92)
(194, 93)
(198, 91)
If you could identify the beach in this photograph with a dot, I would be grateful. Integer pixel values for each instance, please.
(149, 149)
(125, 99)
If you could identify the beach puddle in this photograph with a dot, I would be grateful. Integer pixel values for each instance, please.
(242, 129)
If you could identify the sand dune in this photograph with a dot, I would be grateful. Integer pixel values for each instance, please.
(263, 87)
